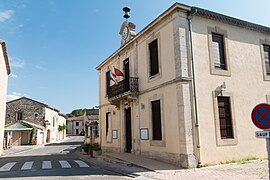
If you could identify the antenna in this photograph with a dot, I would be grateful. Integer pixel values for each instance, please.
(126, 15)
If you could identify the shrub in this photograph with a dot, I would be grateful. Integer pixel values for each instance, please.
(96, 147)
(86, 147)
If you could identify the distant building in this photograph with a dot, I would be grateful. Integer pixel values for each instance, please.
(75, 125)
(91, 122)
(191, 79)
(44, 119)
(4, 72)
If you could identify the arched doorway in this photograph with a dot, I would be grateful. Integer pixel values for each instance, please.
(48, 139)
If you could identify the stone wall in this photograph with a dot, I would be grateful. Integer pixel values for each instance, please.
(29, 109)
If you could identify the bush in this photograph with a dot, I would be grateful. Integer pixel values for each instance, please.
(86, 147)
(96, 147)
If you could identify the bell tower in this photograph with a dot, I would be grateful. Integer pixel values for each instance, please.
(127, 30)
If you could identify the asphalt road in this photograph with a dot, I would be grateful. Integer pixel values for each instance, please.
(53, 161)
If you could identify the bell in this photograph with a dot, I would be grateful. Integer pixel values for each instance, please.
(126, 10)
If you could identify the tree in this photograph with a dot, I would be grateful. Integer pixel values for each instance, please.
(76, 113)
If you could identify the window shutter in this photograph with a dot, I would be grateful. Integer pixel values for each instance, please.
(218, 51)
(267, 58)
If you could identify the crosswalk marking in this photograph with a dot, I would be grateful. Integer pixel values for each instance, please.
(7, 167)
(81, 163)
(46, 165)
(27, 165)
(64, 164)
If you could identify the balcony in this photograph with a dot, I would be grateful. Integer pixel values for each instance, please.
(125, 89)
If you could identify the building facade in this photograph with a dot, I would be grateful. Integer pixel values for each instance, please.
(75, 125)
(44, 119)
(91, 128)
(4, 72)
(191, 80)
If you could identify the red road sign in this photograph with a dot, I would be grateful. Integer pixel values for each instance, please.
(261, 116)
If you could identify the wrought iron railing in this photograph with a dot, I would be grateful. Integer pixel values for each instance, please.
(123, 86)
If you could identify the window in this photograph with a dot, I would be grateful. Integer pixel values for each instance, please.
(108, 74)
(19, 116)
(77, 123)
(218, 51)
(36, 115)
(53, 121)
(77, 131)
(225, 118)
(266, 55)
(156, 120)
(154, 65)
(107, 123)
(82, 124)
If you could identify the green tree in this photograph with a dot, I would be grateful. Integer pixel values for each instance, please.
(76, 113)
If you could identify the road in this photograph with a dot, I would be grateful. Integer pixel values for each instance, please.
(53, 161)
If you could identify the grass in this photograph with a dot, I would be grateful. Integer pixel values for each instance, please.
(237, 161)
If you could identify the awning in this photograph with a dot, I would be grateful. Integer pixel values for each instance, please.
(17, 127)
(34, 125)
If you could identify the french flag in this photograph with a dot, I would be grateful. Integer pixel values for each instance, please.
(117, 72)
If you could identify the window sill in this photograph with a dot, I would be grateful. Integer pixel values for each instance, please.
(157, 143)
(220, 72)
(227, 142)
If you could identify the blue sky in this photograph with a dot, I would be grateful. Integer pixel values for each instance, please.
(54, 46)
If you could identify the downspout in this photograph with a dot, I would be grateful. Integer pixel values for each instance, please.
(197, 130)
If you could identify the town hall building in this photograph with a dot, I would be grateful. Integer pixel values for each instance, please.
(183, 88)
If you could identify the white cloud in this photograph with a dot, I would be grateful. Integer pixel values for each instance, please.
(40, 67)
(12, 75)
(17, 62)
(6, 15)
(15, 95)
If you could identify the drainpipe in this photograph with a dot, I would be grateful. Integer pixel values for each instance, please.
(189, 17)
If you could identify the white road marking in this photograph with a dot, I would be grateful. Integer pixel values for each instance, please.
(46, 165)
(8, 166)
(81, 163)
(65, 164)
(27, 165)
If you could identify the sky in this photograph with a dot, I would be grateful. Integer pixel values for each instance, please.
(54, 46)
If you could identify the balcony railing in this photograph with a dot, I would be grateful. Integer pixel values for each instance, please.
(127, 85)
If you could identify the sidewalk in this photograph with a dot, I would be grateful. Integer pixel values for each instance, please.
(142, 168)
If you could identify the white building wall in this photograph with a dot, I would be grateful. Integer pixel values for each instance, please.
(3, 95)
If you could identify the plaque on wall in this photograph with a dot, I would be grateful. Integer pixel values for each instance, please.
(114, 134)
(144, 134)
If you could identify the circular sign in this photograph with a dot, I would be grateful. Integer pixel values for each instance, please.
(261, 116)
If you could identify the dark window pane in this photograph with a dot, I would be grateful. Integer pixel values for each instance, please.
(107, 123)
(218, 51)
(154, 67)
(225, 118)
(156, 120)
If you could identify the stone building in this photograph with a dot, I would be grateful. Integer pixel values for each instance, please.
(4, 72)
(91, 121)
(191, 80)
(75, 125)
(42, 117)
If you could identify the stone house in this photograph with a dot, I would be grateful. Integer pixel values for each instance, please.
(44, 119)
(91, 128)
(4, 72)
(75, 125)
(191, 79)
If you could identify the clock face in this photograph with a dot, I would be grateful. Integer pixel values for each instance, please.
(125, 33)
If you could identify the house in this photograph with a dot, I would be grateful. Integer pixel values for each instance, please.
(4, 72)
(191, 80)
(91, 128)
(42, 118)
(75, 125)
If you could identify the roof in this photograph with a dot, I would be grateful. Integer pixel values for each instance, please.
(92, 112)
(199, 12)
(79, 118)
(34, 125)
(46, 105)
(17, 127)
(4, 48)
